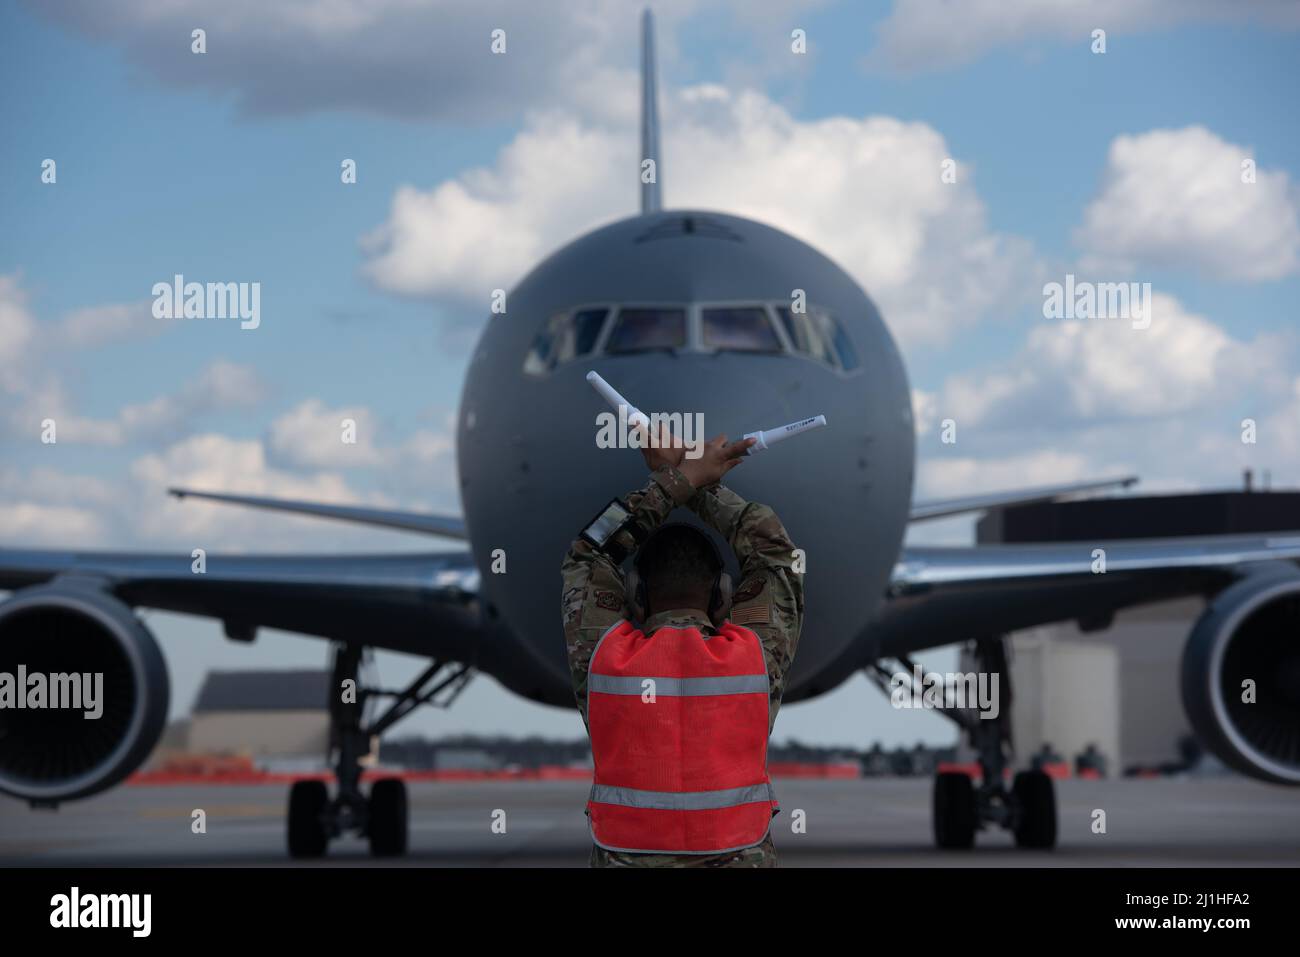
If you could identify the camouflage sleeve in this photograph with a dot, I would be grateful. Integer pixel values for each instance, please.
(593, 596)
(769, 599)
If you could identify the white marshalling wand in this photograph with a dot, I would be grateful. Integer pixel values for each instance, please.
(763, 439)
(635, 417)
(769, 437)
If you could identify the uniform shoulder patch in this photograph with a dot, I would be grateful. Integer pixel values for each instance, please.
(750, 615)
(750, 590)
(610, 600)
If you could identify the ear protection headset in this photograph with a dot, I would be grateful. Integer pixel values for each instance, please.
(719, 593)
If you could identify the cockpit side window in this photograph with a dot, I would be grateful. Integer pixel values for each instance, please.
(538, 359)
(818, 335)
(840, 342)
(738, 329)
(580, 334)
(804, 335)
(640, 329)
(566, 336)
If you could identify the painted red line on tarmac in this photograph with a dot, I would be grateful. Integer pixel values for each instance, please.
(243, 777)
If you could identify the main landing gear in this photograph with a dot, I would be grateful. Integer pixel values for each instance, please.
(314, 818)
(960, 806)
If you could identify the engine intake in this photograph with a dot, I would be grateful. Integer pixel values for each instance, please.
(1249, 632)
(49, 755)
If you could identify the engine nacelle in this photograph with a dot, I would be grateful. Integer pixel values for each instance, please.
(47, 754)
(1249, 632)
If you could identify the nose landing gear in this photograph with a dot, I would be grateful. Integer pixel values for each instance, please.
(313, 818)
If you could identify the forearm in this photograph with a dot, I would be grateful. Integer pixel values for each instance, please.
(752, 529)
(769, 600)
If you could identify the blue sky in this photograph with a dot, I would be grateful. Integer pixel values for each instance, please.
(226, 167)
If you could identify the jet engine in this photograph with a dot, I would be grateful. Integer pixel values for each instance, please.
(1241, 676)
(58, 643)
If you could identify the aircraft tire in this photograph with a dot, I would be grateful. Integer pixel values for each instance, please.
(388, 818)
(954, 811)
(1035, 794)
(307, 834)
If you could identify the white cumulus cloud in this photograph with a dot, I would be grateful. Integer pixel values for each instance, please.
(866, 190)
(411, 59)
(310, 435)
(1175, 198)
(1085, 370)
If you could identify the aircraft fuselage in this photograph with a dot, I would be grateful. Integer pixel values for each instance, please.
(532, 472)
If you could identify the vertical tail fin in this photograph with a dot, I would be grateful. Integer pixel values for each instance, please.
(650, 192)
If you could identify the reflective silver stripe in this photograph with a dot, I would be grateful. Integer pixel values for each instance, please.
(678, 687)
(596, 651)
(680, 800)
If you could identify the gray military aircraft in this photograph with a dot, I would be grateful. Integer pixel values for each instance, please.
(682, 310)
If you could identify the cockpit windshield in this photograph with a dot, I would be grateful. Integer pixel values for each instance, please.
(640, 330)
(769, 328)
(738, 329)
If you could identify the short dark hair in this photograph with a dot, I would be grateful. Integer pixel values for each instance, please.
(678, 563)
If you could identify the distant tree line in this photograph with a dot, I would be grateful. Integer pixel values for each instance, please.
(479, 751)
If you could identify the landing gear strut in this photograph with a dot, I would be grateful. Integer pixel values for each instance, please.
(960, 806)
(314, 818)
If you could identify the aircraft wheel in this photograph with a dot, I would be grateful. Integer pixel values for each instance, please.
(1036, 797)
(954, 810)
(388, 818)
(307, 834)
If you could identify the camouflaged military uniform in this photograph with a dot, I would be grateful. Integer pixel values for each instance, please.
(768, 601)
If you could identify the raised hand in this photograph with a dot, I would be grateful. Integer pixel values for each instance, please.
(719, 458)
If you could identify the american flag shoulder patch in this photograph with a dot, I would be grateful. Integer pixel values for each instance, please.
(756, 614)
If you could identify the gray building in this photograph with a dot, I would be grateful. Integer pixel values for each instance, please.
(262, 714)
(1145, 646)
(1068, 695)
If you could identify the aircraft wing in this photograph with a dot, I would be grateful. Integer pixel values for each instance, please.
(943, 508)
(940, 595)
(420, 603)
(448, 526)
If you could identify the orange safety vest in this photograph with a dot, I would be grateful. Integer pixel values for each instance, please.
(679, 727)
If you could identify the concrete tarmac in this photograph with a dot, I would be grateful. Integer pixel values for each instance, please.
(1181, 822)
